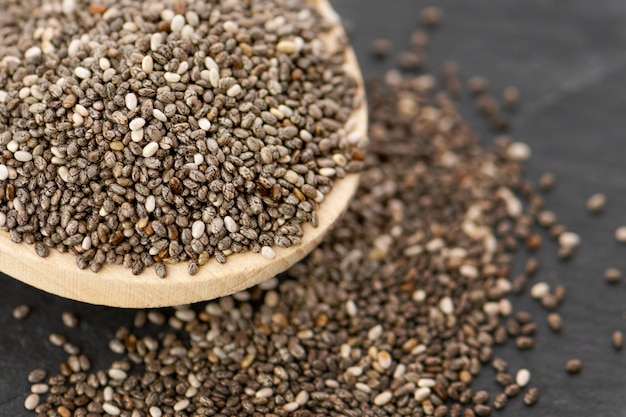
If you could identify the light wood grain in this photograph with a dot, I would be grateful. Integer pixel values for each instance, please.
(115, 286)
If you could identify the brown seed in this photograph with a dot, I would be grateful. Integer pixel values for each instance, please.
(69, 319)
(510, 97)
(512, 390)
(531, 396)
(613, 275)
(477, 85)
(381, 48)
(431, 16)
(546, 181)
(618, 339)
(596, 203)
(573, 366)
(482, 410)
(21, 312)
(500, 401)
(555, 323)
(96, 9)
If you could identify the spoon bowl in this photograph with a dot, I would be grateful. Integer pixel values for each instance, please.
(115, 286)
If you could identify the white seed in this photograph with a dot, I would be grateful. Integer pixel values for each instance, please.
(230, 26)
(32, 52)
(77, 119)
(107, 394)
(177, 23)
(150, 149)
(197, 229)
(31, 402)
(426, 382)
(63, 173)
(3, 96)
(518, 151)
(355, 370)
(264, 392)
(4, 172)
(505, 307)
(540, 290)
(82, 110)
(136, 135)
(23, 156)
(286, 47)
(421, 394)
(383, 398)
(491, 308)
(104, 63)
(384, 359)
(210, 64)
(155, 412)
(17, 204)
(82, 73)
(155, 41)
(147, 64)
(204, 124)
(469, 271)
(569, 240)
(363, 387)
(620, 234)
(111, 409)
(214, 78)
(13, 146)
(375, 332)
(302, 398)
(231, 225)
(234, 91)
(150, 203)
(290, 407)
(159, 115)
(118, 374)
(522, 378)
(268, 252)
(446, 305)
(419, 296)
(171, 77)
(86, 243)
(327, 172)
(181, 405)
(39, 388)
(137, 123)
(351, 308)
(131, 101)
(3, 219)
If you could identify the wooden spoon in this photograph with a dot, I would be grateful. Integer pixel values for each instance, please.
(115, 286)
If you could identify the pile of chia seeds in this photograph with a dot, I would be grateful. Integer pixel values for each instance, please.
(148, 132)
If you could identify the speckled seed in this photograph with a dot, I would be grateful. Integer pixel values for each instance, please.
(522, 377)
(383, 398)
(531, 397)
(596, 203)
(31, 402)
(268, 252)
(573, 366)
(21, 312)
(37, 375)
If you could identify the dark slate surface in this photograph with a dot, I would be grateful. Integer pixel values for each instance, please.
(569, 60)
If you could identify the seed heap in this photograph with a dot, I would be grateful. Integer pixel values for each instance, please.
(395, 313)
(147, 132)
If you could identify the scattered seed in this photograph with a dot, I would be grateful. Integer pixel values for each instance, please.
(620, 234)
(21, 312)
(596, 203)
(531, 396)
(618, 339)
(573, 366)
(522, 377)
(69, 319)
